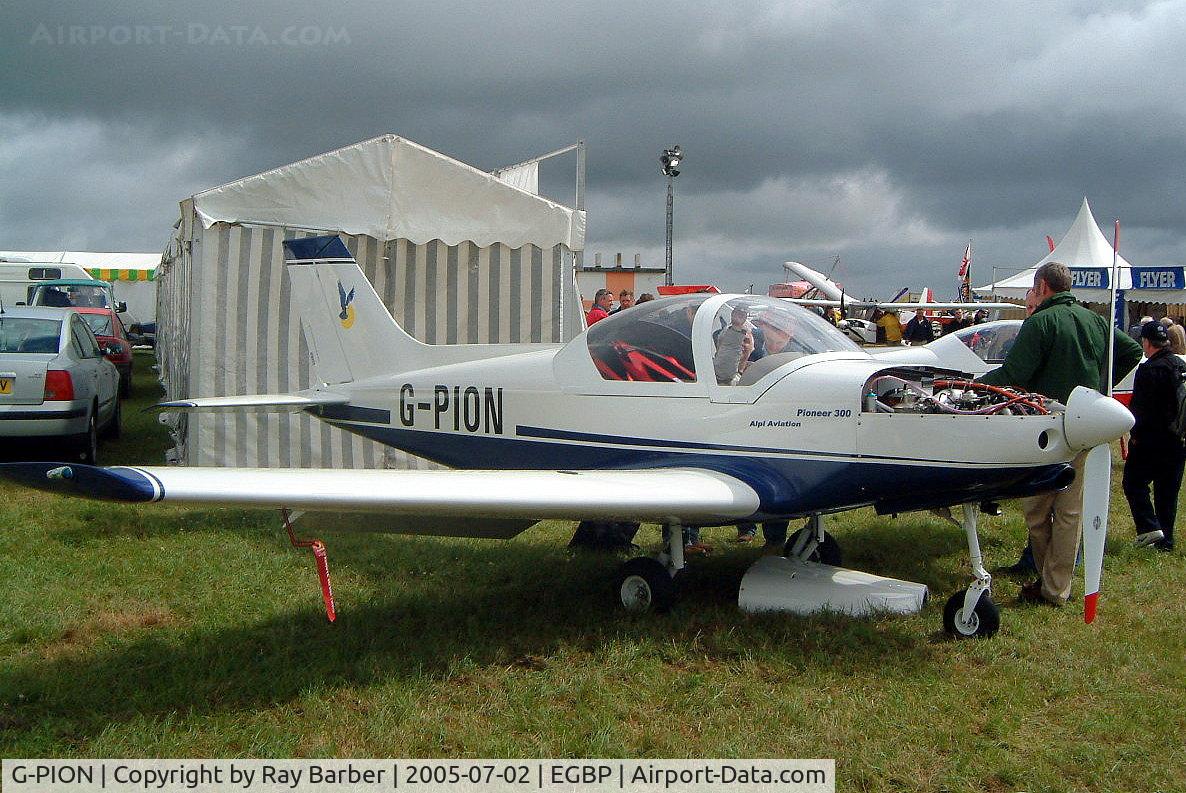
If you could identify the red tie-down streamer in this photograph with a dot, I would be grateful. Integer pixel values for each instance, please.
(322, 559)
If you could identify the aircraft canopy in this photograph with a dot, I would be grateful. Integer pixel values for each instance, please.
(653, 341)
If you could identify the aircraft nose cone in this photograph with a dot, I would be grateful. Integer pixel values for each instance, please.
(1092, 418)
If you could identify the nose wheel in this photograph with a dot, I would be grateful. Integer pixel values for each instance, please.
(981, 622)
(972, 612)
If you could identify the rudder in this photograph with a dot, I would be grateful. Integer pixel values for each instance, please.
(351, 334)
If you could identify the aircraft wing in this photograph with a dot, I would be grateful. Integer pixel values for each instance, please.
(817, 279)
(931, 306)
(656, 495)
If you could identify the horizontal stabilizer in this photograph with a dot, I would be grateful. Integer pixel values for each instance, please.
(690, 495)
(257, 403)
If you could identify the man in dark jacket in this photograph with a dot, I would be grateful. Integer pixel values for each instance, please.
(1155, 453)
(1060, 346)
(919, 330)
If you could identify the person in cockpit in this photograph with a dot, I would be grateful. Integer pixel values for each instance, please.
(735, 344)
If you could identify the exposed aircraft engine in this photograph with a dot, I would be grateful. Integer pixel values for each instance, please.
(912, 391)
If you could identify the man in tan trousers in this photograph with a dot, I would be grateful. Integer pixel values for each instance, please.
(1060, 346)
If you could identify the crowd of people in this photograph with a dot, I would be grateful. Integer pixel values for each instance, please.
(921, 328)
(1174, 332)
(603, 303)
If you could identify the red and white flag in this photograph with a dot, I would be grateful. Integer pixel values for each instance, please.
(963, 273)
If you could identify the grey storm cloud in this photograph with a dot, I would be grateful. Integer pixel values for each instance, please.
(887, 133)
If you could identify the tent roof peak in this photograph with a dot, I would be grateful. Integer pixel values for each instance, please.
(389, 187)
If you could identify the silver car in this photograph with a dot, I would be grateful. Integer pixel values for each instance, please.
(54, 380)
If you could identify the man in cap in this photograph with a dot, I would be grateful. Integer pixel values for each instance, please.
(1060, 346)
(1155, 452)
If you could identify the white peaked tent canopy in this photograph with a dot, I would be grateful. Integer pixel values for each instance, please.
(391, 188)
(1088, 253)
(1085, 250)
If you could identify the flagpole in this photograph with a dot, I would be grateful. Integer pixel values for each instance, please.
(1112, 309)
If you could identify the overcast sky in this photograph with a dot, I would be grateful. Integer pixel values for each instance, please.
(885, 133)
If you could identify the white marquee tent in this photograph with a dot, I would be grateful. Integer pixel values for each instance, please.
(132, 275)
(1088, 253)
(457, 255)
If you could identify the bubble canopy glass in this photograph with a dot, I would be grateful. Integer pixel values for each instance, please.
(653, 342)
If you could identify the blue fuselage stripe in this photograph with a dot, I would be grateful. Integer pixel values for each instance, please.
(352, 413)
(626, 440)
(785, 485)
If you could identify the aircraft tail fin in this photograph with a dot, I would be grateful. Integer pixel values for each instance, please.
(351, 334)
(927, 295)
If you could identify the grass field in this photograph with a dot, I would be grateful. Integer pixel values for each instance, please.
(161, 631)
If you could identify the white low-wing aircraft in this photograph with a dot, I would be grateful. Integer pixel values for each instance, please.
(836, 297)
(864, 330)
(646, 416)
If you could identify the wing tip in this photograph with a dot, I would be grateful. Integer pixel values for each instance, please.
(1089, 607)
(127, 485)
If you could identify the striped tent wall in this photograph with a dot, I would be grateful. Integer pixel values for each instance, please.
(173, 338)
(245, 335)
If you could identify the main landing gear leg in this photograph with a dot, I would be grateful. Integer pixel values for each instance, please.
(648, 582)
(813, 543)
(972, 612)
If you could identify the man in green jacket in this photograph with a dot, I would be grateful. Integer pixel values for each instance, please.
(1060, 346)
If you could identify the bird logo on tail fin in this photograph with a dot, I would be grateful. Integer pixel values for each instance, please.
(346, 315)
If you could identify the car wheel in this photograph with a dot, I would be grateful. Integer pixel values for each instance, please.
(88, 449)
(115, 426)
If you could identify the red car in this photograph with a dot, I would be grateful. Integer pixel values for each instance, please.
(113, 339)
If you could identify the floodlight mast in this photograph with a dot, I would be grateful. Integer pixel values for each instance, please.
(670, 161)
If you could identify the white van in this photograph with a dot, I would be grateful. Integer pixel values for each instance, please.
(17, 277)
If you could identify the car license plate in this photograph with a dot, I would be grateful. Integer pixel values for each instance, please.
(5, 385)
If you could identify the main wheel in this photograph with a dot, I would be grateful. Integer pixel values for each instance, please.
(645, 585)
(827, 552)
(125, 385)
(985, 620)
